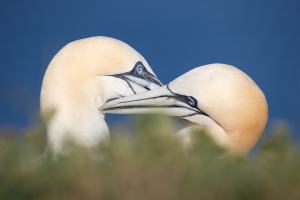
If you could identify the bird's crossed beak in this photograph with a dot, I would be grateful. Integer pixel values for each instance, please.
(161, 100)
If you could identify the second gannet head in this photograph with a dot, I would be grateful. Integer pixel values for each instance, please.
(219, 97)
(81, 77)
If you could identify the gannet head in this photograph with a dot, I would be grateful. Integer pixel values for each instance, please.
(81, 77)
(219, 97)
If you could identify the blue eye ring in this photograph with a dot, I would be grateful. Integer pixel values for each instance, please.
(191, 101)
(140, 69)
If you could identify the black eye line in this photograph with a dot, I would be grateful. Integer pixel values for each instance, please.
(183, 99)
(147, 76)
(139, 63)
(199, 111)
(147, 73)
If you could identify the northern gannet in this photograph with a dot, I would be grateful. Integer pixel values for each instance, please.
(80, 78)
(219, 97)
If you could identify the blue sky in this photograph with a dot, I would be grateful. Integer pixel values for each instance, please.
(261, 37)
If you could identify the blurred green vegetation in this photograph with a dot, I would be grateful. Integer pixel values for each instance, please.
(150, 164)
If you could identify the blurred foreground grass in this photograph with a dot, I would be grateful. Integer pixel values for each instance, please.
(149, 165)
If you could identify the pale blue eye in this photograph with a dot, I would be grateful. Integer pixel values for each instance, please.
(140, 70)
(191, 101)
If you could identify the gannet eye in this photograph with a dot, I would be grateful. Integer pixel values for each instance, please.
(191, 101)
(140, 69)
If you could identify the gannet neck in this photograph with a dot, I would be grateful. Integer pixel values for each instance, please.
(85, 127)
(76, 116)
(215, 131)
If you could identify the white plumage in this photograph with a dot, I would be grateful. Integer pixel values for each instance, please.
(219, 97)
(80, 78)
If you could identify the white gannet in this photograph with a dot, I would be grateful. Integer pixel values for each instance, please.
(80, 78)
(219, 97)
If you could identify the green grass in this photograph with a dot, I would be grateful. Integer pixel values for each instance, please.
(151, 164)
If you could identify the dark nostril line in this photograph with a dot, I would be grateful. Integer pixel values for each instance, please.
(111, 99)
(114, 98)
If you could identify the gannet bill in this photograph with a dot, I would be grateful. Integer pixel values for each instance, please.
(80, 78)
(219, 97)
